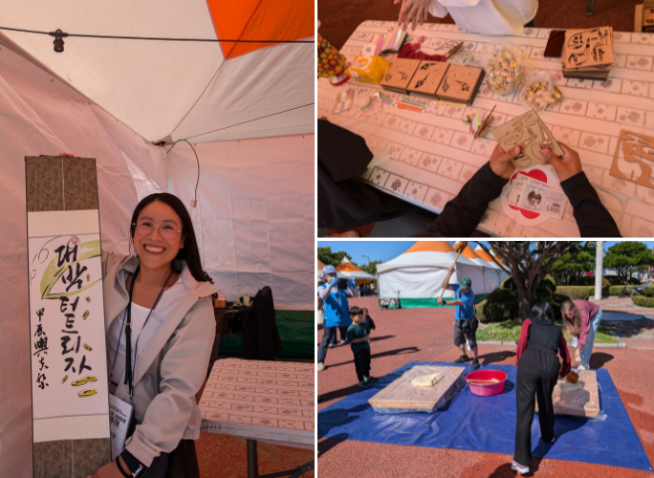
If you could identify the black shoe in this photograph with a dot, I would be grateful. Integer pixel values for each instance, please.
(365, 384)
(550, 441)
(463, 358)
(372, 379)
(475, 364)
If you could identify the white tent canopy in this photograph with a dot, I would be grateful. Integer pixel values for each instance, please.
(419, 272)
(167, 90)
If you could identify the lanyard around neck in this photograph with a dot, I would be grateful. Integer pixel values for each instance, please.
(127, 324)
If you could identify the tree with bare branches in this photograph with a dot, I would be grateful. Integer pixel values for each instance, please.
(529, 263)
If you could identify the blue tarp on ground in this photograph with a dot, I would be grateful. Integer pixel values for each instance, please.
(487, 424)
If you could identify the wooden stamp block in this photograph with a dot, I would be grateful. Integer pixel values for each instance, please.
(399, 74)
(460, 84)
(402, 396)
(428, 77)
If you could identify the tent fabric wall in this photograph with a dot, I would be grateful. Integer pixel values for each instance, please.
(41, 115)
(257, 221)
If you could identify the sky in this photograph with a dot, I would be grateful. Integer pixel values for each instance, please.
(387, 250)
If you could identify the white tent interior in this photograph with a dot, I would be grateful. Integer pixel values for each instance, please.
(110, 100)
(419, 272)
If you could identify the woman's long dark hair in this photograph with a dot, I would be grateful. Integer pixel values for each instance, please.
(542, 311)
(189, 252)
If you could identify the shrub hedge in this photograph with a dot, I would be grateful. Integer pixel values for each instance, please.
(575, 292)
(643, 301)
(616, 289)
(590, 280)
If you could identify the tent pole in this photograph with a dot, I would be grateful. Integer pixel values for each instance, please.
(599, 268)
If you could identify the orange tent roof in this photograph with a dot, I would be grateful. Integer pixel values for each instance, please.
(484, 255)
(321, 265)
(260, 20)
(498, 260)
(430, 246)
(347, 266)
(468, 252)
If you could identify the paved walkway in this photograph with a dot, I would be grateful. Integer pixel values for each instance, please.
(426, 334)
(615, 304)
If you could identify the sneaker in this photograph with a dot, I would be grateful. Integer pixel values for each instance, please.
(551, 441)
(321, 366)
(342, 342)
(583, 366)
(331, 345)
(365, 383)
(578, 359)
(372, 379)
(463, 358)
(475, 364)
(523, 470)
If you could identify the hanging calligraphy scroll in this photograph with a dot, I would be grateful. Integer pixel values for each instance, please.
(70, 401)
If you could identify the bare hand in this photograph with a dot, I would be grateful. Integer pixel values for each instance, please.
(502, 163)
(110, 470)
(413, 12)
(441, 301)
(567, 166)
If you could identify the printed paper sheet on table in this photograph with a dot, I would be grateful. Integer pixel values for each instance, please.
(402, 397)
(426, 158)
(261, 400)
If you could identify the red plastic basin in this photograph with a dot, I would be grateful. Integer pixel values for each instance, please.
(487, 389)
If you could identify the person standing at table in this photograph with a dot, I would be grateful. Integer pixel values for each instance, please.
(465, 320)
(582, 319)
(337, 309)
(488, 17)
(538, 370)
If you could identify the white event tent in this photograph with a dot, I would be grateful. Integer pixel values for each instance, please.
(247, 108)
(416, 276)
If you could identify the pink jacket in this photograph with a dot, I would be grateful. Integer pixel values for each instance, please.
(587, 310)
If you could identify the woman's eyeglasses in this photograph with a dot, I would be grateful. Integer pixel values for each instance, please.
(166, 231)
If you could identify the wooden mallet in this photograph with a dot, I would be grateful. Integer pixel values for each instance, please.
(459, 249)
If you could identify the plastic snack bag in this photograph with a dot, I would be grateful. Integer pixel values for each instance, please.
(368, 69)
(539, 92)
(344, 101)
(503, 70)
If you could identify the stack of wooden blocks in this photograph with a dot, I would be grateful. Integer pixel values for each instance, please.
(434, 80)
(588, 54)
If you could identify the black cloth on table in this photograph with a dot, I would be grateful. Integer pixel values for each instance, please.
(343, 200)
(261, 339)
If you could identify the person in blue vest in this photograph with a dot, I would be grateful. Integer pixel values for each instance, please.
(465, 323)
(337, 309)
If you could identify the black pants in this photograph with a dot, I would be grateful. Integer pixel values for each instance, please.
(362, 364)
(326, 340)
(538, 372)
(343, 332)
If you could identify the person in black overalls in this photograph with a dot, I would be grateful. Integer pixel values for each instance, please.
(538, 370)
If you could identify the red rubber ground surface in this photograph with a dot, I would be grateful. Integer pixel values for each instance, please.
(426, 334)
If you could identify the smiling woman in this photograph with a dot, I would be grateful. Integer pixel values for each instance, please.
(160, 332)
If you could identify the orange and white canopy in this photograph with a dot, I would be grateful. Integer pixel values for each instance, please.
(421, 270)
(169, 90)
(348, 269)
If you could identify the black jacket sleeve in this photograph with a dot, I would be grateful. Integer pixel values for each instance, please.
(592, 217)
(462, 214)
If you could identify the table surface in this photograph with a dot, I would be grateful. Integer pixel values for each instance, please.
(426, 158)
(261, 400)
